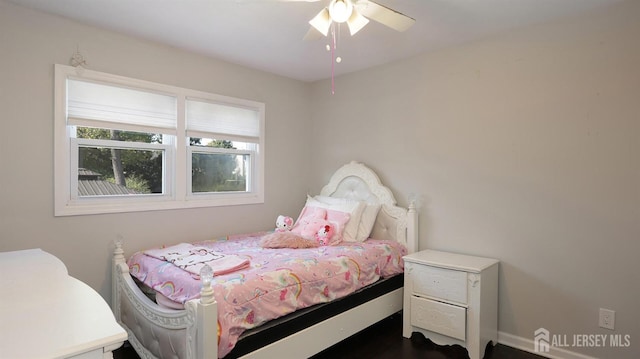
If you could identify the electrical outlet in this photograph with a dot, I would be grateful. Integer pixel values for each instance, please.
(607, 318)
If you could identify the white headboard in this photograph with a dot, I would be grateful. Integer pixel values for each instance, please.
(358, 182)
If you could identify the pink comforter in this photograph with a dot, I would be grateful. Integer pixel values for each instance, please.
(278, 281)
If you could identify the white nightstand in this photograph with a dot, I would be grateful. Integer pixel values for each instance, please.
(451, 299)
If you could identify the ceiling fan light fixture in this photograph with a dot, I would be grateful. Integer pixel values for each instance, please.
(322, 22)
(340, 10)
(356, 22)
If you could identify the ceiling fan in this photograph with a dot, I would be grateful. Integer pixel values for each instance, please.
(356, 13)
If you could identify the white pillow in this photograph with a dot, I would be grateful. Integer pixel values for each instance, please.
(367, 221)
(354, 208)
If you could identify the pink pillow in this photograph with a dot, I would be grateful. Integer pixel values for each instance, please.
(311, 219)
(354, 208)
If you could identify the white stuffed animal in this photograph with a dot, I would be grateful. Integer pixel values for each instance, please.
(284, 223)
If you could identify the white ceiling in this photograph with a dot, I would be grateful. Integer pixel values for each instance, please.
(267, 34)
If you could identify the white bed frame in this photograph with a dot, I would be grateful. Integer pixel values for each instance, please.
(155, 331)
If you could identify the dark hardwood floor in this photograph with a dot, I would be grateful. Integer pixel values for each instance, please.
(384, 341)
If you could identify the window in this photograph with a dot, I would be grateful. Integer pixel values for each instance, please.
(125, 145)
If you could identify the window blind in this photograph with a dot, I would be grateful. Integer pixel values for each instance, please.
(222, 121)
(108, 106)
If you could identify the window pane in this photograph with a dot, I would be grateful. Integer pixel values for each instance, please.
(212, 142)
(117, 135)
(106, 171)
(219, 172)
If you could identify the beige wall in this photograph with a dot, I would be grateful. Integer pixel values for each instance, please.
(524, 147)
(30, 43)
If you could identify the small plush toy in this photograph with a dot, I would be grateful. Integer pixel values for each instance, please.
(324, 234)
(284, 223)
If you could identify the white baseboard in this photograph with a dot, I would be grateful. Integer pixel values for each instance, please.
(527, 345)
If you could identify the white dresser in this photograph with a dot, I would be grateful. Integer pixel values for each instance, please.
(451, 299)
(45, 313)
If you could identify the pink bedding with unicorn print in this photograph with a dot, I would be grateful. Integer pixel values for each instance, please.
(276, 282)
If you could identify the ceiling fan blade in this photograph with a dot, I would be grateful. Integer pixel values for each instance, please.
(385, 15)
(312, 34)
(254, 1)
(322, 21)
(356, 22)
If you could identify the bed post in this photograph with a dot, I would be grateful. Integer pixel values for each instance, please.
(118, 260)
(207, 318)
(413, 240)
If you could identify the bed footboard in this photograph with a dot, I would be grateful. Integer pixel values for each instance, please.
(155, 331)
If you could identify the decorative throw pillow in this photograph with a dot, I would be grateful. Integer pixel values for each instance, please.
(352, 207)
(313, 219)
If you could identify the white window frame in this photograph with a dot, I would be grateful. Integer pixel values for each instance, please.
(177, 154)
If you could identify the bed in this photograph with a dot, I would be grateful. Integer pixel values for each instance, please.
(160, 330)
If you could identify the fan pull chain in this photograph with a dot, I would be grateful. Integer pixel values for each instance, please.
(333, 61)
(333, 47)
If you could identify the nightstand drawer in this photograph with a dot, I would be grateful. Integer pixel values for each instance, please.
(446, 319)
(445, 284)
